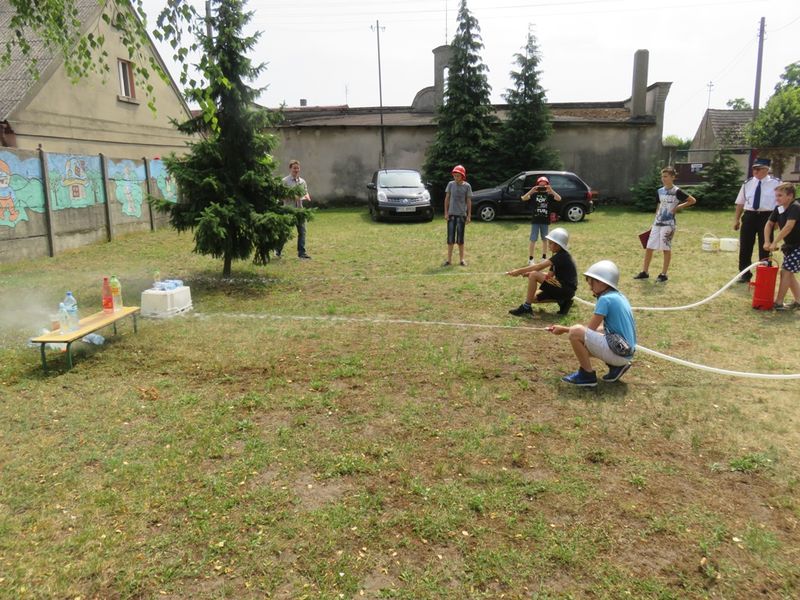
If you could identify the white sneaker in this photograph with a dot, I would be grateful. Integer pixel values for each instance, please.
(531, 262)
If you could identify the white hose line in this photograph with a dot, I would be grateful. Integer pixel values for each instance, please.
(333, 319)
(687, 306)
(692, 365)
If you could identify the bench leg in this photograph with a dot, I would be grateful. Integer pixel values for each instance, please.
(69, 355)
(115, 327)
(44, 358)
(134, 323)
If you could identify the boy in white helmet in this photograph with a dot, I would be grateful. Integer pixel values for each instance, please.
(556, 285)
(610, 334)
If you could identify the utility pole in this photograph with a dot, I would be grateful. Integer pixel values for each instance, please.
(757, 95)
(382, 161)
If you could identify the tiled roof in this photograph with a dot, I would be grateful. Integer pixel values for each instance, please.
(15, 78)
(729, 125)
(403, 116)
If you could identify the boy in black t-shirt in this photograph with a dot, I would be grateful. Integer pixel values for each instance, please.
(540, 196)
(556, 285)
(784, 218)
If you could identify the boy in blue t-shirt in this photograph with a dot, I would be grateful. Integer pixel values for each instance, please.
(610, 334)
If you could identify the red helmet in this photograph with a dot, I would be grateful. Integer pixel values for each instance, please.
(543, 181)
(460, 170)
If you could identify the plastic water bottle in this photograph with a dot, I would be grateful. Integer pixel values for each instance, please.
(108, 300)
(71, 306)
(63, 318)
(116, 292)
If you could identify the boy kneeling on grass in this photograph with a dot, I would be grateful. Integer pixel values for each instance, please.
(610, 334)
(556, 285)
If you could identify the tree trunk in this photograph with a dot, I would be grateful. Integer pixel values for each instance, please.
(226, 268)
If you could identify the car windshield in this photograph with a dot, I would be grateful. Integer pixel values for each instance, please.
(401, 179)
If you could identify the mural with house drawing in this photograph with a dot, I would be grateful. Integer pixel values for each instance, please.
(75, 181)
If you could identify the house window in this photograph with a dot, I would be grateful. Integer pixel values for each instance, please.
(126, 89)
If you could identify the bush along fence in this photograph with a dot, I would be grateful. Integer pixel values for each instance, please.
(53, 202)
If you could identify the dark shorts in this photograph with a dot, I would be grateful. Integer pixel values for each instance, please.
(791, 260)
(552, 292)
(455, 229)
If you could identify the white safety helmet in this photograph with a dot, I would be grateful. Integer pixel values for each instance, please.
(560, 236)
(605, 271)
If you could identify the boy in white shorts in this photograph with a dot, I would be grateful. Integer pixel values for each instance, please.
(671, 199)
(610, 334)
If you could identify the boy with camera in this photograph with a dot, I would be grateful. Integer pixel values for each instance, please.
(541, 195)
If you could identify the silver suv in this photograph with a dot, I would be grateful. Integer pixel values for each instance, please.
(398, 193)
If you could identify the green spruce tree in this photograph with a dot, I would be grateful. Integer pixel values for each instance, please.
(643, 193)
(723, 178)
(466, 123)
(524, 134)
(229, 196)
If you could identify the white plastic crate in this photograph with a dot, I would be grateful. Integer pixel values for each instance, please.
(162, 304)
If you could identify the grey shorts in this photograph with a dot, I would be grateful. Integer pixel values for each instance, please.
(597, 346)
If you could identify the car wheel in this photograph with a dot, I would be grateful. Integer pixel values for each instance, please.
(487, 213)
(574, 213)
(373, 213)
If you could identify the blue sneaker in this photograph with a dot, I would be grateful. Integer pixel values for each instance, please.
(581, 378)
(614, 373)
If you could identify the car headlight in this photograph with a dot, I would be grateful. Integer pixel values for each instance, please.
(426, 197)
(382, 197)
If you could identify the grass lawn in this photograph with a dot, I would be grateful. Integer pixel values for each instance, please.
(240, 451)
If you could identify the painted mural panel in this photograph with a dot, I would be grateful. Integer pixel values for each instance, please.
(164, 181)
(21, 188)
(75, 181)
(128, 185)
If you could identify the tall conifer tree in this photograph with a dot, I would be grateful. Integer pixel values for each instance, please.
(524, 135)
(466, 132)
(229, 196)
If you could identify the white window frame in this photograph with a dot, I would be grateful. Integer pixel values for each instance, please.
(127, 89)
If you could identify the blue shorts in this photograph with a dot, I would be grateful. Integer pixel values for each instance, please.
(537, 228)
(455, 229)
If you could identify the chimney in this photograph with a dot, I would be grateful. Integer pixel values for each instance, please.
(639, 91)
(303, 102)
(441, 60)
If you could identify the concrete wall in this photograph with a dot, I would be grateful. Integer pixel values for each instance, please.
(338, 158)
(54, 202)
(609, 157)
(338, 162)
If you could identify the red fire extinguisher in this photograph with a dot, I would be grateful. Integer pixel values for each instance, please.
(764, 287)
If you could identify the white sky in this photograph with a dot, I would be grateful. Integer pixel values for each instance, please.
(326, 50)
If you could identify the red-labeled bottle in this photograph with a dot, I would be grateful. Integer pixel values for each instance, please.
(108, 299)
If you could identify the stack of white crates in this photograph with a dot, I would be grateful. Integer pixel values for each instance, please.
(165, 303)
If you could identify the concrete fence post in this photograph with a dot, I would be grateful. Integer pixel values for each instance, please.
(104, 175)
(48, 211)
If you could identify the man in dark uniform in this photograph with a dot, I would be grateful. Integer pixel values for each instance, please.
(754, 204)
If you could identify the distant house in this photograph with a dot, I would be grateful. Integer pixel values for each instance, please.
(722, 130)
(106, 115)
(609, 144)
(725, 130)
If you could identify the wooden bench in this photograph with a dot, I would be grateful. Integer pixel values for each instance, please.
(87, 325)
